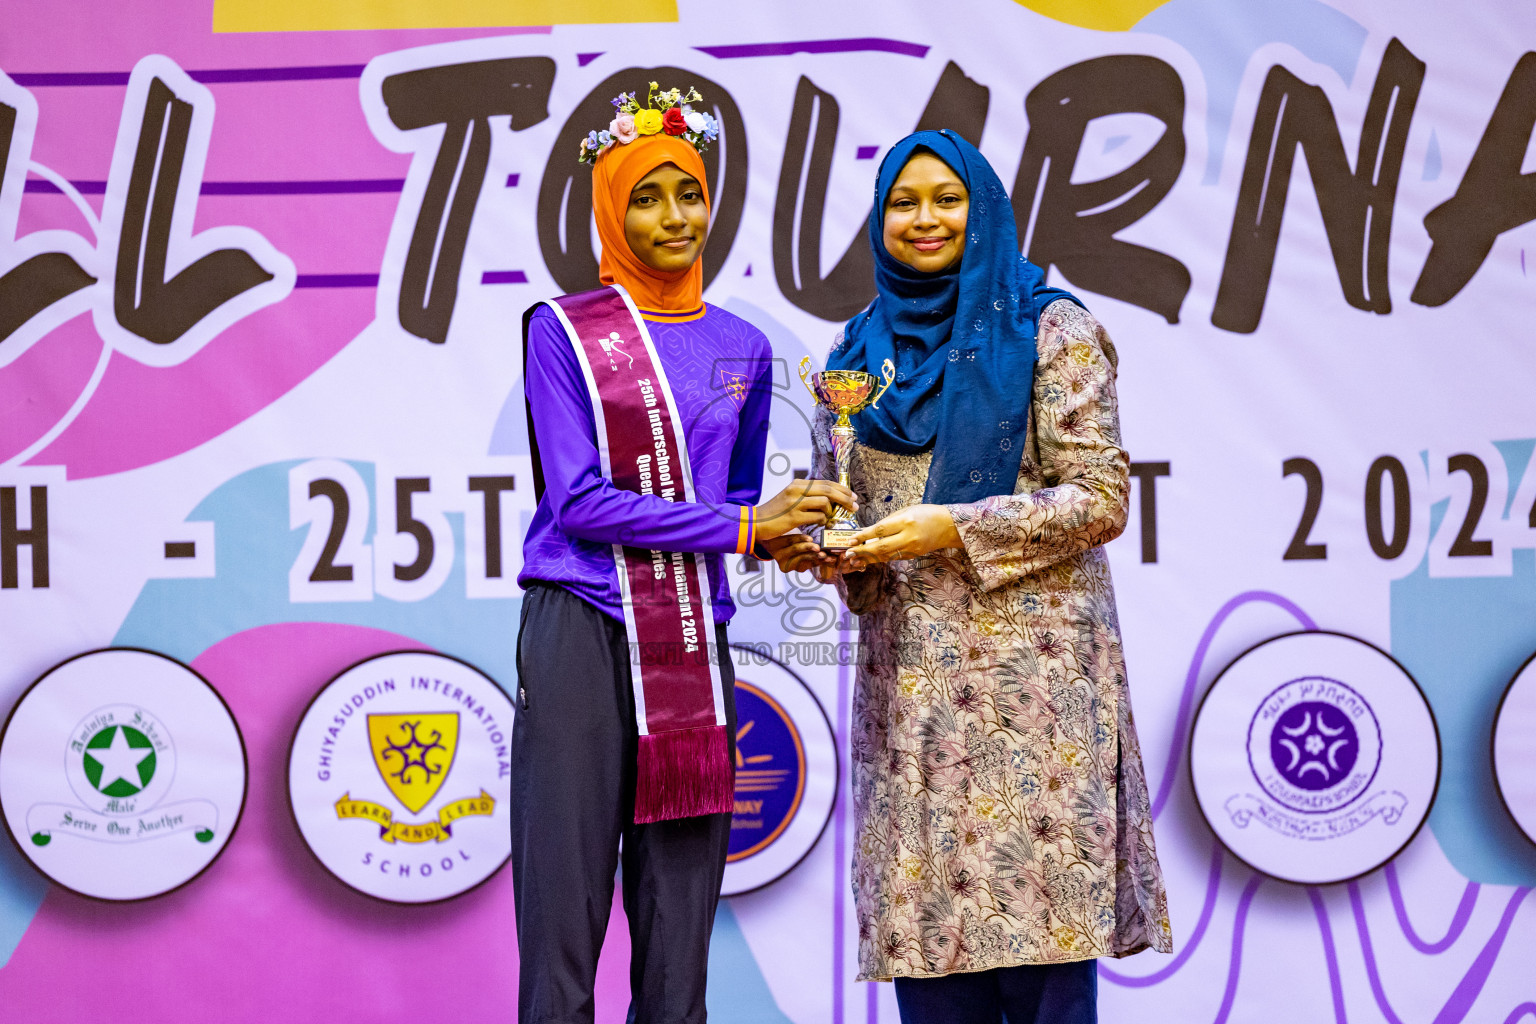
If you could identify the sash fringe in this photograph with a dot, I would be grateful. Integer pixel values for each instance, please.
(683, 773)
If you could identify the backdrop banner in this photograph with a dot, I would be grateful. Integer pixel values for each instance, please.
(262, 265)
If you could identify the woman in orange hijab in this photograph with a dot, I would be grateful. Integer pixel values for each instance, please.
(609, 748)
(677, 287)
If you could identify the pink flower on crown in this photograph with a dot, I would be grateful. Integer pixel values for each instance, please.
(623, 128)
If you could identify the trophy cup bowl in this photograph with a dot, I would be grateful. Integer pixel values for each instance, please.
(844, 392)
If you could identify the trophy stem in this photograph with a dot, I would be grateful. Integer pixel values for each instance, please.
(839, 532)
(842, 448)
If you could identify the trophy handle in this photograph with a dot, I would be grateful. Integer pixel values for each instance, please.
(805, 372)
(888, 371)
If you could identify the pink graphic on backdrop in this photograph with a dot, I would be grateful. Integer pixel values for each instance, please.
(289, 157)
(266, 934)
(158, 291)
(144, 414)
(40, 387)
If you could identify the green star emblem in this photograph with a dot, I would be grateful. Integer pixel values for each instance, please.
(119, 761)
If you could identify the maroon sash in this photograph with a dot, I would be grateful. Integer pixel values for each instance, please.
(684, 762)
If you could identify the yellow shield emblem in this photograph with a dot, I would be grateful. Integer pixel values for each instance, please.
(413, 753)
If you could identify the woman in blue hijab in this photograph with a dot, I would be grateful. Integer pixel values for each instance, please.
(1004, 832)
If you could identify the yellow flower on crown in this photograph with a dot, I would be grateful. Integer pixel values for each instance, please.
(647, 121)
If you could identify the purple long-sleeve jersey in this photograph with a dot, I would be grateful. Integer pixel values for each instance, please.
(721, 373)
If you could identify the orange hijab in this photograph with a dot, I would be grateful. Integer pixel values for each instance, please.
(614, 175)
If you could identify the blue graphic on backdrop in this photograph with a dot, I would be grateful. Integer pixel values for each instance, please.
(184, 617)
(1463, 640)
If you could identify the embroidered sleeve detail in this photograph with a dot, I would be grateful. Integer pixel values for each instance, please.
(1086, 472)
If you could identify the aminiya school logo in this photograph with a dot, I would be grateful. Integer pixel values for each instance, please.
(120, 763)
(141, 794)
(400, 775)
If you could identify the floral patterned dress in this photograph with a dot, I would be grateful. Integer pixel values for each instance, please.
(1001, 807)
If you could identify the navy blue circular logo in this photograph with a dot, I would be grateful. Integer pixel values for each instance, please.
(1314, 744)
(770, 772)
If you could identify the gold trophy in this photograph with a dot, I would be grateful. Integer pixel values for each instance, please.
(844, 392)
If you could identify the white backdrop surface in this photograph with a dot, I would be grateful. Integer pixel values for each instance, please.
(1290, 330)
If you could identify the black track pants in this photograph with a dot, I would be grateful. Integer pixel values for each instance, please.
(573, 768)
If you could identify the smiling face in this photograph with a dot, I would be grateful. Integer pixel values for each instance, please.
(925, 215)
(667, 219)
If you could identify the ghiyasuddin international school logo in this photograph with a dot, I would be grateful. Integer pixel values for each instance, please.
(400, 777)
(786, 776)
(1315, 757)
(141, 794)
(414, 753)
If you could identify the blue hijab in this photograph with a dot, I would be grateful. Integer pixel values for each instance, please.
(962, 340)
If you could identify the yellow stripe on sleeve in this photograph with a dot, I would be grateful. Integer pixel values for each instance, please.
(744, 531)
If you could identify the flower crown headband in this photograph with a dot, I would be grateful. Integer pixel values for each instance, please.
(672, 115)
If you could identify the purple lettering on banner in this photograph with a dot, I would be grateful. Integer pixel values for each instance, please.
(867, 45)
(503, 277)
(211, 76)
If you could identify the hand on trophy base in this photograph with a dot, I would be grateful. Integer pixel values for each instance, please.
(802, 504)
(912, 532)
(799, 552)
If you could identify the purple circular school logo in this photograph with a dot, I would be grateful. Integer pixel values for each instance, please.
(1314, 757)
(1314, 744)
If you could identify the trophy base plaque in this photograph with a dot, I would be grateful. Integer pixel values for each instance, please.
(837, 539)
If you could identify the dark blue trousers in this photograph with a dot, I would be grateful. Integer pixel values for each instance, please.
(1032, 994)
(573, 779)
